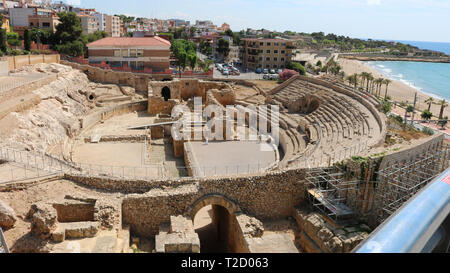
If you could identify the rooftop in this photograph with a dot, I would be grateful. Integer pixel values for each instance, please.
(130, 41)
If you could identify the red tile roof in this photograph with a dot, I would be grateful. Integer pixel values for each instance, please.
(130, 41)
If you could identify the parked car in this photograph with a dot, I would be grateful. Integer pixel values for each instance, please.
(272, 71)
(266, 77)
(274, 77)
(266, 71)
(279, 71)
(258, 70)
(220, 68)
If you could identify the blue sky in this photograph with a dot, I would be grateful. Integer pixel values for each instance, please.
(413, 20)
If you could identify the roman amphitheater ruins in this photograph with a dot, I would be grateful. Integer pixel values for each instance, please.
(92, 160)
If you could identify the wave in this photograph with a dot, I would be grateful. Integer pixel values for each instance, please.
(417, 76)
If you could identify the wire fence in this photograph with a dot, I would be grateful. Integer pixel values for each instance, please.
(23, 165)
(13, 81)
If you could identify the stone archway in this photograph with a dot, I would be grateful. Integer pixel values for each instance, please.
(214, 218)
(165, 93)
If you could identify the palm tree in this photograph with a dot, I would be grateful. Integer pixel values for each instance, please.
(387, 82)
(379, 82)
(353, 80)
(430, 101)
(363, 77)
(369, 79)
(443, 104)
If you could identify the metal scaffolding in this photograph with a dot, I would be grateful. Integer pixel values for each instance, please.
(399, 182)
(329, 193)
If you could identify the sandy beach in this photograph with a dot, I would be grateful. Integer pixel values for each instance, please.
(398, 91)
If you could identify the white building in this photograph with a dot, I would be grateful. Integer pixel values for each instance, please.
(100, 20)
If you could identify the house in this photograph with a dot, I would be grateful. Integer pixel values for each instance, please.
(44, 20)
(135, 52)
(5, 23)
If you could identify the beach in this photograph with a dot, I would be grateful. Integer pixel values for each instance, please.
(398, 91)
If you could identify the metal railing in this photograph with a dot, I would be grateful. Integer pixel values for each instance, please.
(3, 245)
(20, 81)
(22, 165)
(421, 225)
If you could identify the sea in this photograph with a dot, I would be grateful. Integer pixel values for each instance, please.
(430, 78)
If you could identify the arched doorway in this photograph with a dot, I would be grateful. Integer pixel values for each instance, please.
(212, 223)
(214, 220)
(165, 93)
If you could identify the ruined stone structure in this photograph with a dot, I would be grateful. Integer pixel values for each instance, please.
(321, 124)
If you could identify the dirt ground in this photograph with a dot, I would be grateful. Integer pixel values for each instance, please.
(18, 238)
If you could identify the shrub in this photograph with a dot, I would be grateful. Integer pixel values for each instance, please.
(15, 52)
(428, 131)
(387, 107)
(287, 74)
(426, 115)
(297, 67)
(398, 118)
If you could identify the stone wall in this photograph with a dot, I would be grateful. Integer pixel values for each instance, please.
(150, 203)
(319, 235)
(157, 105)
(221, 97)
(183, 89)
(434, 144)
(96, 74)
(92, 119)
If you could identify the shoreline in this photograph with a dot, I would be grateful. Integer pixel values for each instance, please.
(407, 83)
(398, 90)
(394, 59)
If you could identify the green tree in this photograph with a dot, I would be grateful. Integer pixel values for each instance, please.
(426, 115)
(297, 67)
(193, 59)
(386, 107)
(13, 39)
(229, 33)
(184, 51)
(444, 105)
(353, 80)
(69, 29)
(443, 122)
(429, 101)
(387, 82)
(223, 47)
(27, 39)
(3, 39)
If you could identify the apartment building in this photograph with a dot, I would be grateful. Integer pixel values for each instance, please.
(135, 52)
(44, 20)
(266, 53)
(112, 26)
(88, 23)
(100, 21)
